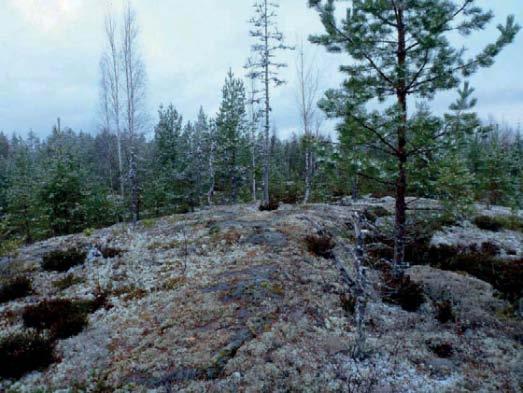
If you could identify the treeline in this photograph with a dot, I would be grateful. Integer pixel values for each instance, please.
(70, 181)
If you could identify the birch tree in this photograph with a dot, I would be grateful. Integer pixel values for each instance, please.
(111, 70)
(307, 97)
(134, 103)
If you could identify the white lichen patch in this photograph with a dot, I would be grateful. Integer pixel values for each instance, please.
(230, 300)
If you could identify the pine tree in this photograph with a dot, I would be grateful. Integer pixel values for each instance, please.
(231, 135)
(62, 195)
(164, 185)
(401, 51)
(268, 41)
(23, 213)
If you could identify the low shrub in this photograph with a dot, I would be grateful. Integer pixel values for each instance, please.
(10, 246)
(66, 282)
(272, 205)
(497, 223)
(320, 245)
(110, 252)
(489, 248)
(21, 353)
(15, 288)
(505, 276)
(372, 213)
(488, 223)
(445, 311)
(63, 260)
(62, 317)
(348, 303)
(442, 350)
(403, 292)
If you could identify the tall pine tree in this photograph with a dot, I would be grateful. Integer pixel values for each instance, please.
(401, 51)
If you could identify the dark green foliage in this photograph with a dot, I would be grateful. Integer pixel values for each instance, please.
(15, 288)
(489, 248)
(445, 311)
(505, 276)
(272, 205)
(63, 317)
(402, 291)
(442, 350)
(110, 252)
(348, 303)
(488, 223)
(66, 282)
(21, 353)
(372, 213)
(498, 223)
(320, 245)
(232, 142)
(400, 52)
(63, 260)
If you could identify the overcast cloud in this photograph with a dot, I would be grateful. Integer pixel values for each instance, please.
(51, 49)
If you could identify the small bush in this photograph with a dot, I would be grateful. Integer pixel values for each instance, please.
(348, 303)
(505, 276)
(21, 353)
(495, 224)
(445, 312)
(403, 292)
(489, 248)
(372, 213)
(110, 252)
(15, 288)
(62, 317)
(10, 246)
(320, 245)
(272, 205)
(488, 223)
(62, 261)
(442, 350)
(67, 281)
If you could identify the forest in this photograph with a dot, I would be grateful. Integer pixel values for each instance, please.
(71, 181)
(377, 247)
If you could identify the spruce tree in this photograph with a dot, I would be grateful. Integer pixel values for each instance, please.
(231, 135)
(401, 51)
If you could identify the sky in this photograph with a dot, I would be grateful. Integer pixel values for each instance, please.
(51, 49)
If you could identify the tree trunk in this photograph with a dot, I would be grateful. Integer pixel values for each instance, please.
(308, 170)
(135, 198)
(401, 181)
(355, 187)
(210, 193)
(253, 163)
(266, 162)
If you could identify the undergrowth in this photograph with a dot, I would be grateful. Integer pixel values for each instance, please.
(15, 288)
(63, 260)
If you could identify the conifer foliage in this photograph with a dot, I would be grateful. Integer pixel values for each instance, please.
(401, 52)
